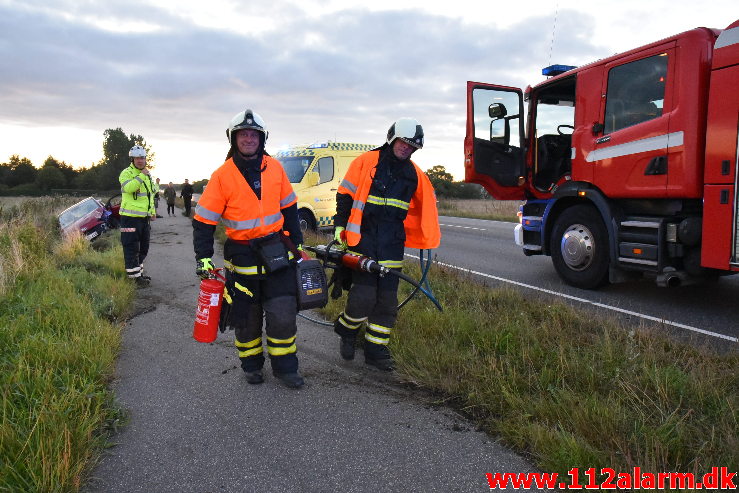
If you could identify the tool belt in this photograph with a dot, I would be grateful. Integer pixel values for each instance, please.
(272, 252)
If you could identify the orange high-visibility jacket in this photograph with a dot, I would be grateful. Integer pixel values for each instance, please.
(229, 198)
(422, 223)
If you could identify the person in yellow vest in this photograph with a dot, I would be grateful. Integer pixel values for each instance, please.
(137, 209)
(384, 204)
(156, 198)
(252, 196)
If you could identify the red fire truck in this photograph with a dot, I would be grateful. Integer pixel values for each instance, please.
(628, 165)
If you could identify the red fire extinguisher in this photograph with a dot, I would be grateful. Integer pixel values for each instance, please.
(208, 313)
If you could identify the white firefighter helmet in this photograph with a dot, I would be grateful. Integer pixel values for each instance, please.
(246, 119)
(137, 151)
(408, 130)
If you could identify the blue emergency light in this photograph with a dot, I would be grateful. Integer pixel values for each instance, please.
(553, 70)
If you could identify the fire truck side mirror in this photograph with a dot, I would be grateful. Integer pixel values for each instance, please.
(598, 128)
(497, 110)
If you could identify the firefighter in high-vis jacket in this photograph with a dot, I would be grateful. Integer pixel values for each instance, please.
(384, 204)
(137, 209)
(252, 196)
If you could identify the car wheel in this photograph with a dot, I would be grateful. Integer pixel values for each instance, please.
(579, 246)
(306, 220)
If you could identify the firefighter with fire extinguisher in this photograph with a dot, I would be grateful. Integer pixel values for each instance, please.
(252, 196)
(384, 204)
(137, 209)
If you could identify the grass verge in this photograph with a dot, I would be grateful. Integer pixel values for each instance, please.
(566, 388)
(60, 302)
(497, 210)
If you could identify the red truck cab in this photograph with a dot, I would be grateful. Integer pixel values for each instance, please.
(627, 165)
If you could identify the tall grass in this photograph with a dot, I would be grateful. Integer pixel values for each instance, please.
(568, 388)
(59, 304)
(498, 210)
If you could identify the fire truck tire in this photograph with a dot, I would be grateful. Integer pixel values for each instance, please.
(579, 247)
(306, 220)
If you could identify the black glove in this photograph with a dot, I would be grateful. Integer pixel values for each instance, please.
(204, 267)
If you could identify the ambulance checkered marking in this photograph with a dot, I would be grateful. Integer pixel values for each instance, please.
(303, 152)
(331, 146)
(343, 146)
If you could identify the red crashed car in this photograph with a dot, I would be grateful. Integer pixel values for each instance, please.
(90, 217)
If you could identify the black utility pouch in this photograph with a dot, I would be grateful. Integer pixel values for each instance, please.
(271, 252)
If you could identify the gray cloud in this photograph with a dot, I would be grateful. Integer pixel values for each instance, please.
(349, 73)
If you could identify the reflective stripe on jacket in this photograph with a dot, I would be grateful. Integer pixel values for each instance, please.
(422, 222)
(137, 193)
(229, 198)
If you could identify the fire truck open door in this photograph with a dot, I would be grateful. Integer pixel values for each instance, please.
(493, 146)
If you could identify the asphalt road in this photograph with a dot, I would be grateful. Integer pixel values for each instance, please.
(195, 425)
(487, 247)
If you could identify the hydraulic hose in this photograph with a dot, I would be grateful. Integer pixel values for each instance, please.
(423, 281)
(418, 287)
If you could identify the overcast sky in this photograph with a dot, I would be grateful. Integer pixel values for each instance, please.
(177, 72)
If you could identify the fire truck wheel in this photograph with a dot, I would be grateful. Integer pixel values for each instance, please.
(579, 246)
(306, 221)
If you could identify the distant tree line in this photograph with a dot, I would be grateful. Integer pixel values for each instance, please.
(19, 176)
(446, 187)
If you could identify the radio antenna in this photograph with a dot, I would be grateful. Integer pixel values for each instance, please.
(554, 28)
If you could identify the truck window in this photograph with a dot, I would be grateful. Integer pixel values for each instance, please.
(325, 169)
(494, 130)
(550, 117)
(636, 92)
(295, 166)
(553, 110)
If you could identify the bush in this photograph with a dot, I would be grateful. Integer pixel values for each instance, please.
(26, 189)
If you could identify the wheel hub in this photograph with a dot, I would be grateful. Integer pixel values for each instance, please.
(578, 248)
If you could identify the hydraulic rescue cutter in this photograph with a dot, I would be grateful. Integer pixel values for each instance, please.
(335, 258)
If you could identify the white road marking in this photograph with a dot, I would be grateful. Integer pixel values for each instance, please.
(463, 227)
(594, 303)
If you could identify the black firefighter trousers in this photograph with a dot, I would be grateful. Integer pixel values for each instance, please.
(255, 300)
(135, 234)
(374, 300)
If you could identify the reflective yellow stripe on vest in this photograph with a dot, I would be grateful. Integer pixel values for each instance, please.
(374, 199)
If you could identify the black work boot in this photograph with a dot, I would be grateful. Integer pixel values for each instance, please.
(292, 380)
(348, 338)
(378, 355)
(347, 348)
(141, 282)
(254, 377)
(384, 364)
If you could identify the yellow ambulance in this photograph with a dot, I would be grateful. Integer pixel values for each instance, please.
(315, 172)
